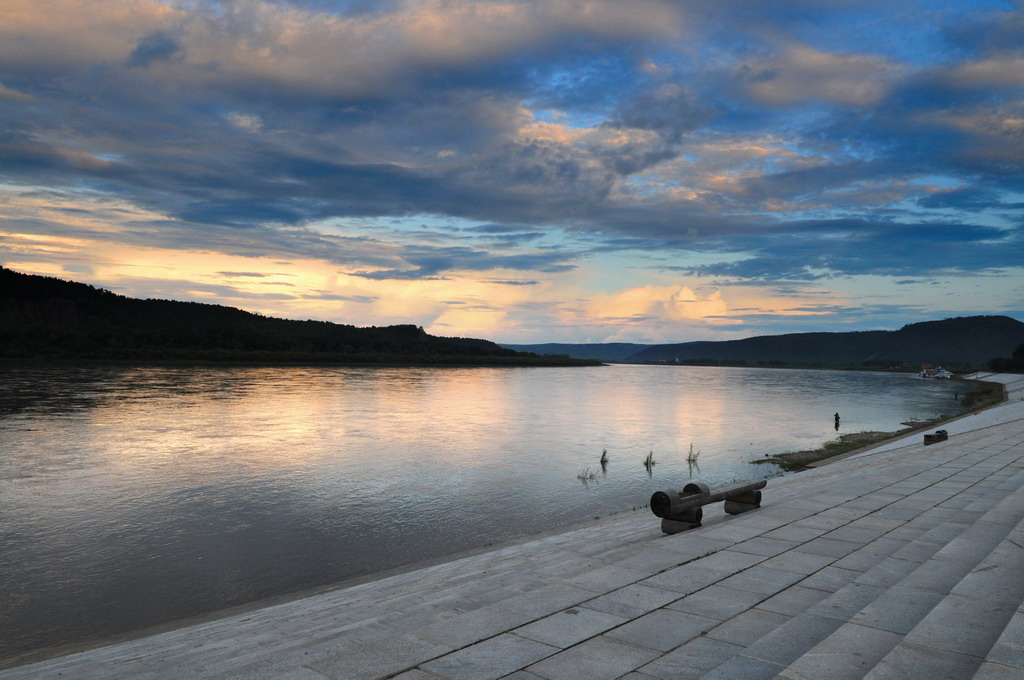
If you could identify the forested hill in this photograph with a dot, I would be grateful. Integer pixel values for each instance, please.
(48, 318)
(604, 351)
(964, 341)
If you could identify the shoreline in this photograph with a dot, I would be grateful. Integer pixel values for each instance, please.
(855, 443)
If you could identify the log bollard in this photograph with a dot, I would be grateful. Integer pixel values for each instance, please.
(682, 510)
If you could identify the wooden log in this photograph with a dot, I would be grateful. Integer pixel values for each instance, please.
(737, 508)
(675, 526)
(670, 504)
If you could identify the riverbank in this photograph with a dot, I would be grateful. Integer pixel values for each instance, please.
(989, 394)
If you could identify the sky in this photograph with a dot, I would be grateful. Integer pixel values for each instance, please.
(546, 171)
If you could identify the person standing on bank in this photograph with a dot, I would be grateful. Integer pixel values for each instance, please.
(837, 422)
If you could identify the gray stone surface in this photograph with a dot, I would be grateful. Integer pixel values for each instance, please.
(847, 654)
(763, 580)
(633, 600)
(767, 547)
(691, 660)
(717, 602)
(489, 660)
(963, 625)
(467, 627)
(1009, 648)
(686, 579)
(569, 627)
(793, 600)
(745, 668)
(911, 661)
(597, 659)
(798, 562)
(830, 579)
(847, 601)
(898, 611)
(788, 642)
(354, 661)
(663, 630)
(997, 671)
(748, 627)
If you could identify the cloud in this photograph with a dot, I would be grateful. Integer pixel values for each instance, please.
(820, 250)
(433, 262)
(659, 302)
(1001, 72)
(972, 198)
(10, 95)
(237, 43)
(155, 47)
(245, 122)
(801, 73)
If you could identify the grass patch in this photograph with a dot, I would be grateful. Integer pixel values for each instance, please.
(987, 394)
(794, 461)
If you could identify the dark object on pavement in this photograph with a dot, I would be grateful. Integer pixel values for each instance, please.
(682, 510)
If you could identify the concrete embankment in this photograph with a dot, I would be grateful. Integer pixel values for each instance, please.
(902, 561)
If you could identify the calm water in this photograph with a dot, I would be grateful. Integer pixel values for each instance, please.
(135, 496)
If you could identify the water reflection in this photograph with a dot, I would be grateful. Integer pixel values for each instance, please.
(132, 496)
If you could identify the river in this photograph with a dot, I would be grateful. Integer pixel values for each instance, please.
(135, 496)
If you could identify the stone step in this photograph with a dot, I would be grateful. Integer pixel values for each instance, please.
(1005, 661)
(778, 628)
(634, 616)
(860, 646)
(954, 639)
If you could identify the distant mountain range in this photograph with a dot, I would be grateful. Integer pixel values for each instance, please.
(963, 341)
(610, 351)
(47, 318)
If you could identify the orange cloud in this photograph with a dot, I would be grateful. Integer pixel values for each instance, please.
(660, 302)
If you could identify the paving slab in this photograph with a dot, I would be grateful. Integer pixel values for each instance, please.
(747, 628)
(633, 600)
(794, 600)
(691, 660)
(489, 660)
(911, 661)
(791, 640)
(570, 627)
(846, 654)
(663, 630)
(744, 667)
(600, 658)
(963, 625)
(1009, 648)
(354, 661)
(717, 602)
(763, 580)
(466, 628)
(898, 611)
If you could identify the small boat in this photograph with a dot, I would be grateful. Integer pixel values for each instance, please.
(937, 372)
